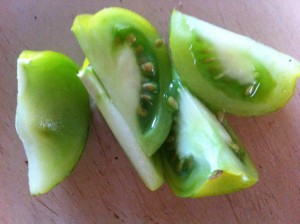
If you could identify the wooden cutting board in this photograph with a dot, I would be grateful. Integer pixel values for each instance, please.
(104, 188)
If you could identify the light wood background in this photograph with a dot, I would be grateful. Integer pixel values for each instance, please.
(104, 188)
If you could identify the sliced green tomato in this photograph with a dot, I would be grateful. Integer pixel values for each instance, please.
(203, 157)
(148, 168)
(52, 117)
(230, 72)
(131, 60)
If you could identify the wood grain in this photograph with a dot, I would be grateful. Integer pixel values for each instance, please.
(104, 188)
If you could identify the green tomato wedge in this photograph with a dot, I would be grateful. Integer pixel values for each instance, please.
(132, 62)
(230, 72)
(148, 168)
(202, 156)
(52, 117)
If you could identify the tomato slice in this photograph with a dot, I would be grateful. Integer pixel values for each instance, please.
(230, 72)
(149, 168)
(202, 156)
(52, 117)
(131, 60)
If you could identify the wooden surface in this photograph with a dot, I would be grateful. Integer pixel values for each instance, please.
(104, 188)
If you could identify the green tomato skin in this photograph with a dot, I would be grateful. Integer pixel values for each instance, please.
(119, 43)
(203, 157)
(52, 117)
(230, 72)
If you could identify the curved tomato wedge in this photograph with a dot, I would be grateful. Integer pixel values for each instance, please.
(131, 60)
(52, 117)
(230, 72)
(202, 156)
